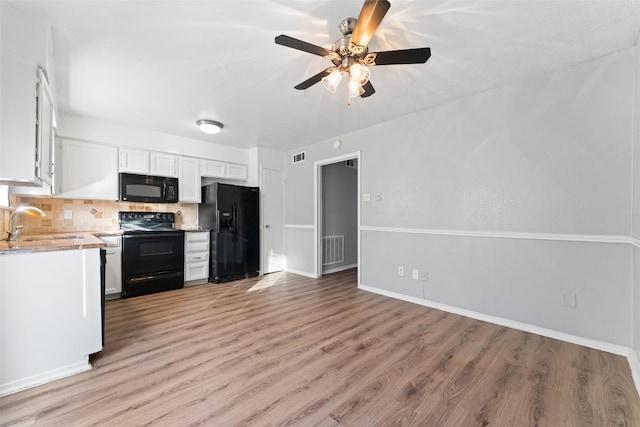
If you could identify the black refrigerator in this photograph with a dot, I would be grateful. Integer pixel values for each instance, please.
(232, 212)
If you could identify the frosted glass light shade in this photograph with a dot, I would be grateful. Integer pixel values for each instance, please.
(209, 126)
(359, 72)
(332, 81)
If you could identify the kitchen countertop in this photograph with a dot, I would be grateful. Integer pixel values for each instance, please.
(51, 242)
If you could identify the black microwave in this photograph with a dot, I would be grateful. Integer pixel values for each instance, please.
(148, 189)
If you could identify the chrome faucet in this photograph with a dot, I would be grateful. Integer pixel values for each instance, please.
(15, 229)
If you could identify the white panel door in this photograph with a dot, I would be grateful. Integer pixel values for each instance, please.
(273, 220)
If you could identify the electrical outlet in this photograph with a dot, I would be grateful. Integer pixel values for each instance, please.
(415, 274)
(401, 271)
(68, 214)
(366, 197)
(425, 276)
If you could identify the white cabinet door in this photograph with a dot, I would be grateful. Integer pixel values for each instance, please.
(189, 181)
(163, 164)
(237, 172)
(113, 272)
(213, 169)
(45, 131)
(88, 170)
(134, 161)
(19, 149)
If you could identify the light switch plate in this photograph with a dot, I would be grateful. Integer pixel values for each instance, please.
(68, 214)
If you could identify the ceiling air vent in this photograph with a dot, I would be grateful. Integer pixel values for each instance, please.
(297, 158)
(352, 163)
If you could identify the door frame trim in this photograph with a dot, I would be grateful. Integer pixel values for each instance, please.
(317, 217)
(263, 245)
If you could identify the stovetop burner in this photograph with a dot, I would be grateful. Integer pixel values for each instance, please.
(146, 221)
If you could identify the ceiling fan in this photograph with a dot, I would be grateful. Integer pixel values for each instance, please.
(350, 54)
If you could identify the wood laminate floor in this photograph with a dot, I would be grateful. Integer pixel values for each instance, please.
(287, 350)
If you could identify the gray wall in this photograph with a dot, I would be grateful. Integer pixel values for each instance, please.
(510, 199)
(340, 210)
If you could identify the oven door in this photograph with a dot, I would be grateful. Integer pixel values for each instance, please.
(152, 252)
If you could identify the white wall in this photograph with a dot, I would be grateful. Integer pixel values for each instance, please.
(510, 199)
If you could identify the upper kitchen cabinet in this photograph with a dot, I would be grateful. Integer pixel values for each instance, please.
(213, 169)
(218, 169)
(88, 170)
(26, 100)
(237, 172)
(189, 181)
(148, 163)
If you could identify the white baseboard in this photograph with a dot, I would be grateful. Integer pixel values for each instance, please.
(634, 364)
(45, 377)
(338, 269)
(301, 273)
(587, 342)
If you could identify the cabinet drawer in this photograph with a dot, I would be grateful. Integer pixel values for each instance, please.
(197, 236)
(193, 247)
(196, 271)
(196, 257)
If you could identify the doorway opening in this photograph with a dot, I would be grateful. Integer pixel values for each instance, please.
(337, 214)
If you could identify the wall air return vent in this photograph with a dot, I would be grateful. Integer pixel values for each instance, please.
(297, 158)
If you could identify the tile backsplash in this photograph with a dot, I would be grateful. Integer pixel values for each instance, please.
(87, 215)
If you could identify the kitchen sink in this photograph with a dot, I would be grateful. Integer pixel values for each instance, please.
(37, 239)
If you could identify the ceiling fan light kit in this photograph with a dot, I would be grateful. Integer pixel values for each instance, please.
(350, 53)
(210, 127)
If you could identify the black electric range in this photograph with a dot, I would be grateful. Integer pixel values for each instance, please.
(152, 253)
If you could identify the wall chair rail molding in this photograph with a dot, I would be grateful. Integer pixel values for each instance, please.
(508, 235)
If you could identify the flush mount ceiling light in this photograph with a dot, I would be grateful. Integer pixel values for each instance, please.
(209, 126)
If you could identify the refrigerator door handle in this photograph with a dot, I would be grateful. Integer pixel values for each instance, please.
(217, 227)
(234, 214)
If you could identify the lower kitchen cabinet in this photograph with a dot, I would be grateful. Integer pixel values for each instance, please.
(196, 257)
(113, 270)
(50, 315)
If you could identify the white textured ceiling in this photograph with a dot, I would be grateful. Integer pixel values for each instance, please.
(162, 65)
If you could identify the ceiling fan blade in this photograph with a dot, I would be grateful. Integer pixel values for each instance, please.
(368, 90)
(303, 46)
(313, 79)
(371, 15)
(405, 56)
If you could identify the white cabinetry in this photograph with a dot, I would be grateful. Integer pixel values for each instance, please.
(213, 169)
(88, 170)
(51, 315)
(237, 172)
(113, 269)
(134, 161)
(189, 181)
(196, 256)
(217, 169)
(26, 125)
(26, 105)
(147, 163)
(163, 164)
